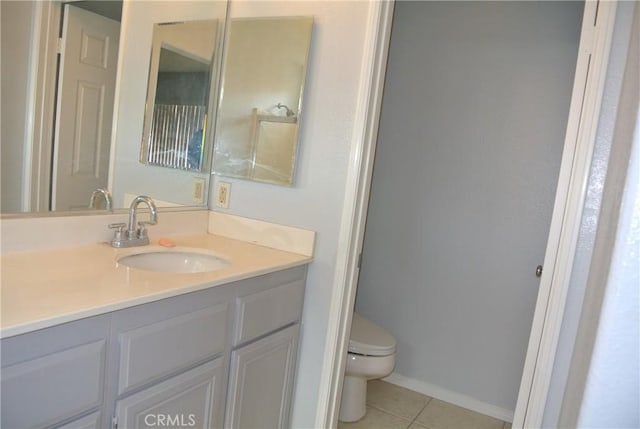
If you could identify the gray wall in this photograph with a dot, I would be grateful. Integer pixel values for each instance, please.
(474, 114)
(16, 39)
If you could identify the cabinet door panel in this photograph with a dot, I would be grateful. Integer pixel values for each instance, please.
(262, 375)
(191, 399)
(156, 350)
(53, 387)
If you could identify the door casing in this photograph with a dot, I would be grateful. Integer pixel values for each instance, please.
(593, 54)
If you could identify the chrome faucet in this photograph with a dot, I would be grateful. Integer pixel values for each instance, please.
(136, 232)
(108, 201)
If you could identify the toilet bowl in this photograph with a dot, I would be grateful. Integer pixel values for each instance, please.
(372, 354)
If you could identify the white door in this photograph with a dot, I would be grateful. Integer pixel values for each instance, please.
(86, 87)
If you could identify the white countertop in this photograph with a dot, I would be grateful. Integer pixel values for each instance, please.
(46, 288)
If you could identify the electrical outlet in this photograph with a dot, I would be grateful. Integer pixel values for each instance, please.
(197, 194)
(223, 193)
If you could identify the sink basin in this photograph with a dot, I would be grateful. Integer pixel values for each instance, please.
(176, 260)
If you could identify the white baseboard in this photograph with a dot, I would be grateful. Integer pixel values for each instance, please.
(454, 398)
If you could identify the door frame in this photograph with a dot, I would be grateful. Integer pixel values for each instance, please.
(41, 103)
(593, 54)
(41, 106)
(72, 25)
(584, 113)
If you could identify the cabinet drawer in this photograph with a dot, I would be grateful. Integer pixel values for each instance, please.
(53, 387)
(266, 311)
(159, 349)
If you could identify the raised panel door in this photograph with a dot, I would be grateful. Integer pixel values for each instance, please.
(262, 375)
(192, 399)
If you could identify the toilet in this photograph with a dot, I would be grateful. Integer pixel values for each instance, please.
(372, 354)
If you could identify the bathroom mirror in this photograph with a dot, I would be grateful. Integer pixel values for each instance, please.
(261, 98)
(40, 173)
(175, 124)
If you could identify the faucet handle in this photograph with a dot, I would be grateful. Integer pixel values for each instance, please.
(119, 229)
(142, 229)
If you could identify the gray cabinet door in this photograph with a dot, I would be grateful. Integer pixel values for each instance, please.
(262, 375)
(192, 399)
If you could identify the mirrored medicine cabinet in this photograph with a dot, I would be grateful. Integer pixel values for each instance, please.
(261, 101)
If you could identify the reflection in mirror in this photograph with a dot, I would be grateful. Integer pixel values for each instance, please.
(189, 44)
(260, 108)
(59, 136)
(178, 95)
(60, 141)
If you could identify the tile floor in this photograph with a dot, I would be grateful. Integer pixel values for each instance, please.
(393, 407)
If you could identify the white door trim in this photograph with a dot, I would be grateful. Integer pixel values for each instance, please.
(40, 107)
(595, 41)
(354, 214)
(593, 58)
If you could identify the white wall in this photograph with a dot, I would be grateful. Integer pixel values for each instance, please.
(316, 199)
(596, 374)
(475, 109)
(17, 27)
(129, 175)
(559, 395)
(612, 391)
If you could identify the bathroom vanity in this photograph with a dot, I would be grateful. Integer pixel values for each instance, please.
(110, 346)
